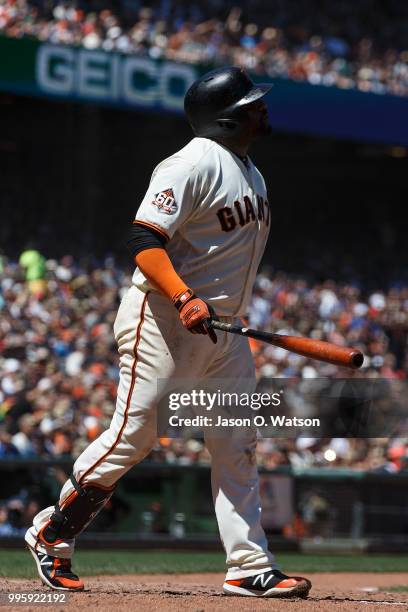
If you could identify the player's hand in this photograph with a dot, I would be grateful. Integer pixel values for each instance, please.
(195, 315)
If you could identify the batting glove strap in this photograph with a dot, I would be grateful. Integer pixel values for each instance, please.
(184, 298)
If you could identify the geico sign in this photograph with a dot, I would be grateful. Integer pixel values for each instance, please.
(111, 77)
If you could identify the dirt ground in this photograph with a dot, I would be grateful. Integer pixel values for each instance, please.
(201, 593)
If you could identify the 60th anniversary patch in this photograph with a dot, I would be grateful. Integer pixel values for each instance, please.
(165, 202)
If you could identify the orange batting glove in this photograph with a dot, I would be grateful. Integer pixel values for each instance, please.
(195, 314)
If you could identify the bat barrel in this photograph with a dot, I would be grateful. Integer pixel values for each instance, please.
(321, 350)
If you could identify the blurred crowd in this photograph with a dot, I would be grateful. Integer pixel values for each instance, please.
(348, 44)
(59, 365)
(17, 513)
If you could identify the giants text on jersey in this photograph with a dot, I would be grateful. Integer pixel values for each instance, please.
(213, 209)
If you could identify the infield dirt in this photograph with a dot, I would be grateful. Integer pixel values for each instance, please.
(202, 593)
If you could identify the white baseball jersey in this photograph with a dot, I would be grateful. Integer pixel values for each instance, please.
(213, 209)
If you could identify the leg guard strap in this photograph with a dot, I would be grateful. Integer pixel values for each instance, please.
(76, 512)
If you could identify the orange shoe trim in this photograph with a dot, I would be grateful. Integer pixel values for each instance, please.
(288, 583)
(70, 584)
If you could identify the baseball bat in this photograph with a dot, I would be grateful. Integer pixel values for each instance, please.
(314, 349)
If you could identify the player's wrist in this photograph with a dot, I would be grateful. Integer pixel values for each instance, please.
(181, 298)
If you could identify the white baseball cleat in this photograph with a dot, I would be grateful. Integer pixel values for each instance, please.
(55, 572)
(270, 584)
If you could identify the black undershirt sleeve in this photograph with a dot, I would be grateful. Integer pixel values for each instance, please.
(142, 237)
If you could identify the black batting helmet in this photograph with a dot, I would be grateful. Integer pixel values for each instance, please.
(214, 103)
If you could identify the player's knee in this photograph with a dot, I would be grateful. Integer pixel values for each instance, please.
(140, 451)
(239, 447)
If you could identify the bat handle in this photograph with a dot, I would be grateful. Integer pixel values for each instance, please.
(240, 331)
(228, 327)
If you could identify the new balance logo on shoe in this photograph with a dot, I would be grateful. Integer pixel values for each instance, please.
(44, 559)
(263, 579)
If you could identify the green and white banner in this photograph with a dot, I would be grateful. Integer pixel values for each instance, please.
(35, 68)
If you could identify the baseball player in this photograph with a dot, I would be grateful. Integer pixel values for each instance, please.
(197, 240)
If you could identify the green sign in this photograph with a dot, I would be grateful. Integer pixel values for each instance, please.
(36, 68)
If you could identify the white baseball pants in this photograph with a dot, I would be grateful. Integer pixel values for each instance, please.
(153, 344)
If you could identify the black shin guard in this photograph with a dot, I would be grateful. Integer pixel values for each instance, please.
(81, 506)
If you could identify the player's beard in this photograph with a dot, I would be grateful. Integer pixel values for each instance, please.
(258, 125)
(251, 127)
(264, 127)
